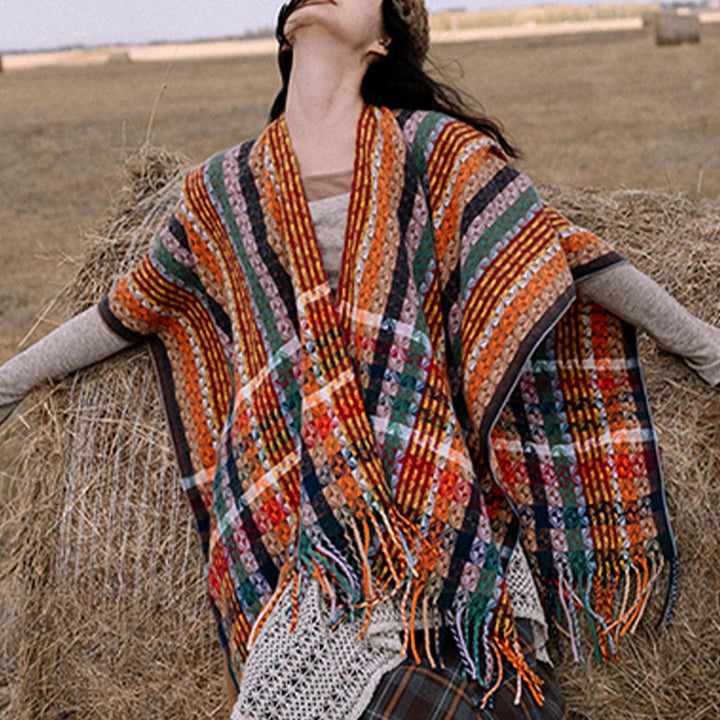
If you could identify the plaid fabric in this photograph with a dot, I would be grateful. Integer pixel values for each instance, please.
(610, 536)
(346, 438)
(418, 692)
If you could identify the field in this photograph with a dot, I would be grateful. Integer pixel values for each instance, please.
(607, 110)
(603, 110)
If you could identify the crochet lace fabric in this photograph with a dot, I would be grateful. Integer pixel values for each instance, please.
(314, 672)
(526, 602)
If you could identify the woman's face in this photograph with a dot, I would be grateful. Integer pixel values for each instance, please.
(356, 23)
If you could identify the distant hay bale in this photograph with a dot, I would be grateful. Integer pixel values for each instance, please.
(118, 57)
(103, 607)
(675, 28)
(648, 18)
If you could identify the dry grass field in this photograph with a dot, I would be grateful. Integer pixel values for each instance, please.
(603, 110)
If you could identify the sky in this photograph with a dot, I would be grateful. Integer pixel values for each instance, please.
(49, 24)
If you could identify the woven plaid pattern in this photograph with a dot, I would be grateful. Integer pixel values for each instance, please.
(347, 440)
(610, 535)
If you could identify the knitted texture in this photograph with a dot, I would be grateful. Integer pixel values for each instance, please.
(329, 219)
(526, 602)
(313, 671)
(347, 440)
(316, 671)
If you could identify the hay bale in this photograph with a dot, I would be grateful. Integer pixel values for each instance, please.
(675, 28)
(649, 18)
(119, 57)
(103, 603)
(673, 674)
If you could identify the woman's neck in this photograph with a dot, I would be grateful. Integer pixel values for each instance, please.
(323, 105)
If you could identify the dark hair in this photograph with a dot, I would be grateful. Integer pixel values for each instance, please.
(398, 80)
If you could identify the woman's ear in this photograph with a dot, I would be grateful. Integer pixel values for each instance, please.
(380, 47)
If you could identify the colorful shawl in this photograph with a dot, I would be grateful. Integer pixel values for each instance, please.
(355, 439)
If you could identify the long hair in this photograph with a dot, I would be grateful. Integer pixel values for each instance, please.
(398, 80)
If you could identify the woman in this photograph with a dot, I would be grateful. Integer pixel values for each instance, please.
(377, 374)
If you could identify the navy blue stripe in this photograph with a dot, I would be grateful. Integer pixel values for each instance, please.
(487, 194)
(394, 306)
(269, 256)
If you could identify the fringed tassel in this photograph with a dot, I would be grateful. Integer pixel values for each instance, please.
(456, 627)
(504, 639)
(426, 633)
(486, 699)
(612, 596)
(371, 564)
(413, 616)
(440, 635)
(512, 652)
(407, 625)
(382, 555)
(565, 597)
(485, 638)
(596, 623)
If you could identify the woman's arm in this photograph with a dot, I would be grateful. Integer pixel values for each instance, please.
(80, 342)
(633, 296)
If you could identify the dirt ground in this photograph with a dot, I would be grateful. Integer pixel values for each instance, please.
(607, 110)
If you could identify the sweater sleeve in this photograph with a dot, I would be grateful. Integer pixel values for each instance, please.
(634, 297)
(80, 342)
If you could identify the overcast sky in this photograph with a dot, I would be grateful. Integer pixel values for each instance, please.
(46, 24)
